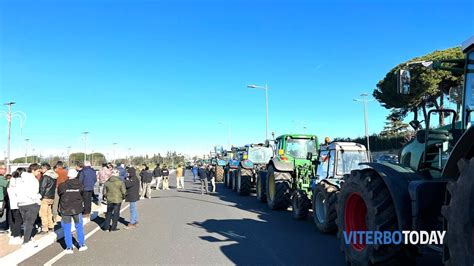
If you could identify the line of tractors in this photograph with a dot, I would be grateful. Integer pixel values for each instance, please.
(430, 188)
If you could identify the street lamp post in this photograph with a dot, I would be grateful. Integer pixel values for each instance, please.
(229, 132)
(129, 156)
(266, 104)
(9, 116)
(68, 154)
(34, 158)
(114, 145)
(85, 133)
(26, 150)
(366, 120)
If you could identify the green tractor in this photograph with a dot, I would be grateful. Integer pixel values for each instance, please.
(431, 189)
(232, 165)
(336, 160)
(290, 174)
(254, 159)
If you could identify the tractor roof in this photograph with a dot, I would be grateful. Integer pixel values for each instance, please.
(297, 136)
(468, 43)
(350, 146)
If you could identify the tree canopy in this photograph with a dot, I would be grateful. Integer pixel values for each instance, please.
(428, 86)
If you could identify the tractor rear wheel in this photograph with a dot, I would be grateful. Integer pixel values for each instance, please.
(300, 204)
(219, 173)
(365, 204)
(459, 214)
(260, 187)
(324, 207)
(278, 189)
(244, 182)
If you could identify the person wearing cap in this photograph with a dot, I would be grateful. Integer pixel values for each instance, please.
(71, 205)
(115, 192)
(132, 184)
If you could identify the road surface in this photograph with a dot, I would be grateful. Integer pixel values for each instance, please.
(185, 227)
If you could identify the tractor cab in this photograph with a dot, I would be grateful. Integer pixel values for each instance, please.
(258, 154)
(340, 158)
(295, 148)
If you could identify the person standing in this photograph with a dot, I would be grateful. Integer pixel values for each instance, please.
(62, 177)
(4, 208)
(195, 172)
(157, 176)
(47, 191)
(132, 184)
(165, 172)
(104, 174)
(88, 178)
(115, 192)
(212, 177)
(71, 207)
(15, 219)
(179, 177)
(203, 176)
(29, 201)
(147, 177)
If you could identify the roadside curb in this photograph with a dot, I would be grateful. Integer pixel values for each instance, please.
(23, 254)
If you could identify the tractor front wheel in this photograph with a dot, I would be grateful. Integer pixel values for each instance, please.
(226, 177)
(300, 205)
(233, 177)
(324, 207)
(459, 214)
(365, 204)
(278, 189)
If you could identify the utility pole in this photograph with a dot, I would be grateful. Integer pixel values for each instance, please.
(26, 150)
(366, 120)
(68, 154)
(34, 158)
(85, 133)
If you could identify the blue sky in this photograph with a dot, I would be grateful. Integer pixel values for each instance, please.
(160, 75)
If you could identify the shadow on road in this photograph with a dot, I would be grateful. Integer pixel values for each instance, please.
(271, 238)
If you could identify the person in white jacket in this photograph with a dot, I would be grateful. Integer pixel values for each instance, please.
(15, 216)
(29, 201)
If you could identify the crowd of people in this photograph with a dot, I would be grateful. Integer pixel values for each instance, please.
(35, 199)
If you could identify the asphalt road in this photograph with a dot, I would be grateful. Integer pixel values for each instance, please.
(185, 227)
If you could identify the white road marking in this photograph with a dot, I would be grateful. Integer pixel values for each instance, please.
(60, 255)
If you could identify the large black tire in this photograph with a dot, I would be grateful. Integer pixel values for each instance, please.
(226, 177)
(324, 207)
(278, 189)
(365, 204)
(233, 179)
(300, 204)
(459, 214)
(260, 187)
(244, 181)
(219, 173)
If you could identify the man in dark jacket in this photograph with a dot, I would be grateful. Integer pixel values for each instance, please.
(147, 177)
(132, 184)
(88, 178)
(115, 192)
(122, 171)
(203, 174)
(70, 208)
(157, 176)
(47, 190)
